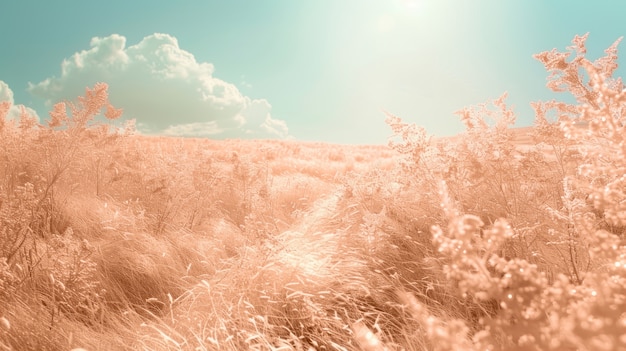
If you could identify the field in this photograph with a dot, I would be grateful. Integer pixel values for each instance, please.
(496, 239)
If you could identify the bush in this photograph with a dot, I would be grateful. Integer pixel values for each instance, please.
(499, 252)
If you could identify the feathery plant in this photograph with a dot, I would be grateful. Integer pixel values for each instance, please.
(473, 243)
(43, 263)
(580, 305)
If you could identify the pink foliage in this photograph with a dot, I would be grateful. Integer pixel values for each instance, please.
(4, 111)
(4, 108)
(86, 109)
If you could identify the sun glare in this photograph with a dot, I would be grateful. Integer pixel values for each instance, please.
(400, 11)
(411, 4)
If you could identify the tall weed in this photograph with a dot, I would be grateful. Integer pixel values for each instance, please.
(505, 250)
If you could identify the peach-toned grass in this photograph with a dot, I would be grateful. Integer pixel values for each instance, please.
(496, 239)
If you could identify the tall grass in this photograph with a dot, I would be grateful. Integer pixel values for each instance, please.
(485, 241)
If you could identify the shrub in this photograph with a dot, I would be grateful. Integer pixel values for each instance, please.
(47, 270)
(575, 305)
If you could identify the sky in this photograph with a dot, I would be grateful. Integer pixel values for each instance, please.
(310, 70)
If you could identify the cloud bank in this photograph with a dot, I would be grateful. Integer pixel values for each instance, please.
(6, 94)
(164, 88)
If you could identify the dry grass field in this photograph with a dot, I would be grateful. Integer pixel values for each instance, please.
(496, 239)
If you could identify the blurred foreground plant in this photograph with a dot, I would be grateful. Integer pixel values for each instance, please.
(580, 307)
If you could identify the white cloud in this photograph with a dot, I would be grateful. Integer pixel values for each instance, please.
(275, 126)
(194, 129)
(244, 82)
(6, 94)
(164, 88)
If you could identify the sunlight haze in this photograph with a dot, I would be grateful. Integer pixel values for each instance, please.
(312, 175)
(306, 70)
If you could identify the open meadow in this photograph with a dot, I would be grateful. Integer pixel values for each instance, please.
(495, 239)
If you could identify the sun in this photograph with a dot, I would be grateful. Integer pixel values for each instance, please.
(410, 4)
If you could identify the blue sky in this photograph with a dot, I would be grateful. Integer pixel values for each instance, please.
(319, 70)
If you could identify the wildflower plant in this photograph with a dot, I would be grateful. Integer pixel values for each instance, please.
(44, 264)
(579, 305)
